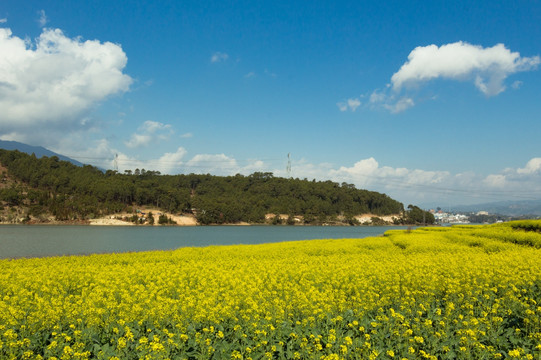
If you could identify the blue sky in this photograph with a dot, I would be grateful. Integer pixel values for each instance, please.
(433, 103)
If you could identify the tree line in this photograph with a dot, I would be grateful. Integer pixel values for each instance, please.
(67, 191)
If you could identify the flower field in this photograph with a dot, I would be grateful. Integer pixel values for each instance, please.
(433, 293)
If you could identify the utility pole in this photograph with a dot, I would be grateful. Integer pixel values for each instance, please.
(288, 168)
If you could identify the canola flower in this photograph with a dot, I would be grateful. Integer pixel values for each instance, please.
(433, 293)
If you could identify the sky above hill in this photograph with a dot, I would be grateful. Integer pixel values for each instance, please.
(434, 103)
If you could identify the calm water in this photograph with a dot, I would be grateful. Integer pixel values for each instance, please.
(31, 241)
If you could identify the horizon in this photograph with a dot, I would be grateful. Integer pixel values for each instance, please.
(428, 103)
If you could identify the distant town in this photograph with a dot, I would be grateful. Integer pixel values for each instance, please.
(479, 217)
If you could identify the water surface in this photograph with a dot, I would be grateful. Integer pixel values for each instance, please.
(49, 240)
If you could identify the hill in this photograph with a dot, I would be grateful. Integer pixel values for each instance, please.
(508, 208)
(39, 151)
(49, 185)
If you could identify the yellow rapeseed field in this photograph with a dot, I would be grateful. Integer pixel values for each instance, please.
(431, 293)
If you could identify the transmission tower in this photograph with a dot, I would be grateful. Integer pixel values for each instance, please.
(288, 168)
(116, 163)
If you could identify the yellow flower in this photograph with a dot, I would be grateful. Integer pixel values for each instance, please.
(514, 353)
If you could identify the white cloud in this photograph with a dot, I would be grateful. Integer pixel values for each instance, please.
(170, 163)
(42, 21)
(3, 21)
(388, 101)
(487, 67)
(251, 74)
(154, 126)
(368, 172)
(218, 57)
(96, 152)
(377, 97)
(533, 166)
(401, 105)
(349, 104)
(186, 135)
(353, 104)
(495, 181)
(219, 164)
(149, 132)
(138, 140)
(51, 82)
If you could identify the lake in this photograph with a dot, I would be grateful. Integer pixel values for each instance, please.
(48, 240)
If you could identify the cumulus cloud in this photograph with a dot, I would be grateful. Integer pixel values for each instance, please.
(170, 163)
(495, 180)
(532, 167)
(349, 104)
(367, 172)
(53, 81)
(220, 164)
(418, 185)
(149, 132)
(522, 183)
(138, 140)
(218, 57)
(487, 67)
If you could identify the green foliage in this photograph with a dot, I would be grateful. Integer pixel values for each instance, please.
(276, 220)
(12, 196)
(416, 215)
(290, 220)
(71, 192)
(165, 220)
(526, 225)
(377, 221)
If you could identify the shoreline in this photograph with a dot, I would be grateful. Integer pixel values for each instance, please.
(182, 220)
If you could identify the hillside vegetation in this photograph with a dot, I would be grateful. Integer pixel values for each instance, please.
(432, 293)
(49, 186)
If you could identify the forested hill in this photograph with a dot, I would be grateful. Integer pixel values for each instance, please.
(49, 185)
